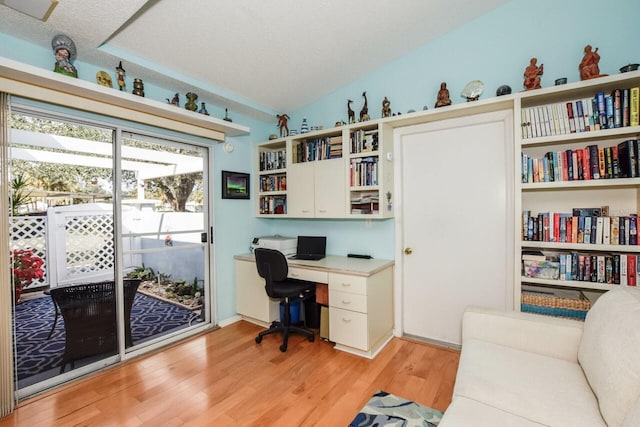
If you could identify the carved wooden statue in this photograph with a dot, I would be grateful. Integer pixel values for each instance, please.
(364, 113)
(532, 74)
(350, 112)
(282, 124)
(386, 107)
(589, 68)
(443, 96)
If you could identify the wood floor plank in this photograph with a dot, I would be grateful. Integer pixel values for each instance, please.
(224, 378)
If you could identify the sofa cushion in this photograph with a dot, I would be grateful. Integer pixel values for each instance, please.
(633, 416)
(466, 412)
(609, 352)
(539, 388)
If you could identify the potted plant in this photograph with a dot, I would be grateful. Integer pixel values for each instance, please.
(25, 268)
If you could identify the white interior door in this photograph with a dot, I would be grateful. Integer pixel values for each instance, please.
(456, 221)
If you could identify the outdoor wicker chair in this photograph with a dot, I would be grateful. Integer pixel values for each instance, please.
(89, 314)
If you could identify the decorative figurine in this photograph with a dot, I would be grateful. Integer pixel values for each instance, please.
(350, 113)
(282, 124)
(473, 90)
(443, 96)
(121, 71)
(203, 109)
(532, 74)
(503, 90)
(386, 107)
(65, 50)
(340, 123)
(174, 101)
(103, 78)
(629, 67)
(304, 127)
(138, 87)
(364, 113)
(589, 65)
(561, 81)
(191, 103)
(226, 117)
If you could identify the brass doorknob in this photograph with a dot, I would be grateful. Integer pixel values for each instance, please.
(408, 251)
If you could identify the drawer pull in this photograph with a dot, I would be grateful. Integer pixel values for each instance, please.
(346, 285)
(295, 274)
(345, 320)
(346, 302)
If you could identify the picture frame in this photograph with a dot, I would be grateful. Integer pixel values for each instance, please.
(236, 185)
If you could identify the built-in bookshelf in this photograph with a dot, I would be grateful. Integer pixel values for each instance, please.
(579, 186)
(271, 158)
(331, 173)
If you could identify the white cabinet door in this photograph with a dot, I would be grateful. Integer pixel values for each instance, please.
(251, 297)
(316, 189)
(300, 190)
(330, 189)
(457, 221)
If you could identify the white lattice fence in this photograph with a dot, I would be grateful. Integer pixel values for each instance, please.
(31, 233)
(89, 244)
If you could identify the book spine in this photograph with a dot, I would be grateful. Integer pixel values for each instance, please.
(624, 269)
(609, 108)
(580, 126)
(616, 99)
(632, 266)
(572, 123)
(602, 110)
(626, 113)
(634, 106)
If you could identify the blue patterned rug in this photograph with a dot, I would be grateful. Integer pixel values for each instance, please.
(34, 317)
(385, 409)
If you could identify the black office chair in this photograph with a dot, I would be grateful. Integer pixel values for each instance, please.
(272, 266)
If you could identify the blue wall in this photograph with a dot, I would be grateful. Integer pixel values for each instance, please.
(494, 48)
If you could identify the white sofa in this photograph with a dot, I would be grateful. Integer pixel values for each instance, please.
(518, 369)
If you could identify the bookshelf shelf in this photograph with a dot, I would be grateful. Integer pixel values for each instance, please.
(568, 283)
(330, 173)
(558, 163)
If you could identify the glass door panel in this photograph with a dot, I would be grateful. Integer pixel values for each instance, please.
(164, 234)
(62, 248)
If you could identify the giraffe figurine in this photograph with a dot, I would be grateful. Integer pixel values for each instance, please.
(350, 112)
(364, 113)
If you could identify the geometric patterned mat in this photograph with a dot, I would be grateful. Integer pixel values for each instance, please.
(385, 409)
(34, 317)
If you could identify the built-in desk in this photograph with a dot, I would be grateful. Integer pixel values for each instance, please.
(360, 298)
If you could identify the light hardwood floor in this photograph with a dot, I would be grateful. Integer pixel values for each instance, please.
(223, 378)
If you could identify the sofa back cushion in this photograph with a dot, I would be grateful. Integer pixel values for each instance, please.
(609, 352)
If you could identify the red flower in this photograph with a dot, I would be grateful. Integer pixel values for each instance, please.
(25, 267)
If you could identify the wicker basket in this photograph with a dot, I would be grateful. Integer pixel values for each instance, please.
(555, 302)
(573, 305)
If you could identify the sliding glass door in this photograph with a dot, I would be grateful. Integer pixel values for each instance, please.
(108, 238)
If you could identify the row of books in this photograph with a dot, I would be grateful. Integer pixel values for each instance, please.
(364, 171)
(273, 182)
(329, 147)
(272, 160)
(583, 225)
(363, 141)
(273, 205)
(619, 109)
(591, 162)
(615, 269)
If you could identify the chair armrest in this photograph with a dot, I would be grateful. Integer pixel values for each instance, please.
(548, 336)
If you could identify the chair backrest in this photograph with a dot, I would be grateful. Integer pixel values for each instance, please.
(272, 266)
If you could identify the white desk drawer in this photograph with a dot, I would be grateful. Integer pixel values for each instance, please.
(348, 301)
(348, 328)
(347, 283)
(310, 275)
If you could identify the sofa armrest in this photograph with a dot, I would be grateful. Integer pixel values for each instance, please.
(548, 336)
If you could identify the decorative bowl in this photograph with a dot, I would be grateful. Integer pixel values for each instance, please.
(561, 81)
(629, 67)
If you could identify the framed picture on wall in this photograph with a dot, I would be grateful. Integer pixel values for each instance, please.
(235, 185)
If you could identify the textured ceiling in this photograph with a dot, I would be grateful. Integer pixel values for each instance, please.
(256, 57)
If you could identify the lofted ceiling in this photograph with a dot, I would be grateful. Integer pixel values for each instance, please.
(256, 57)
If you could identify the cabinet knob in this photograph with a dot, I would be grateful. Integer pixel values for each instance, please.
(408, 251)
